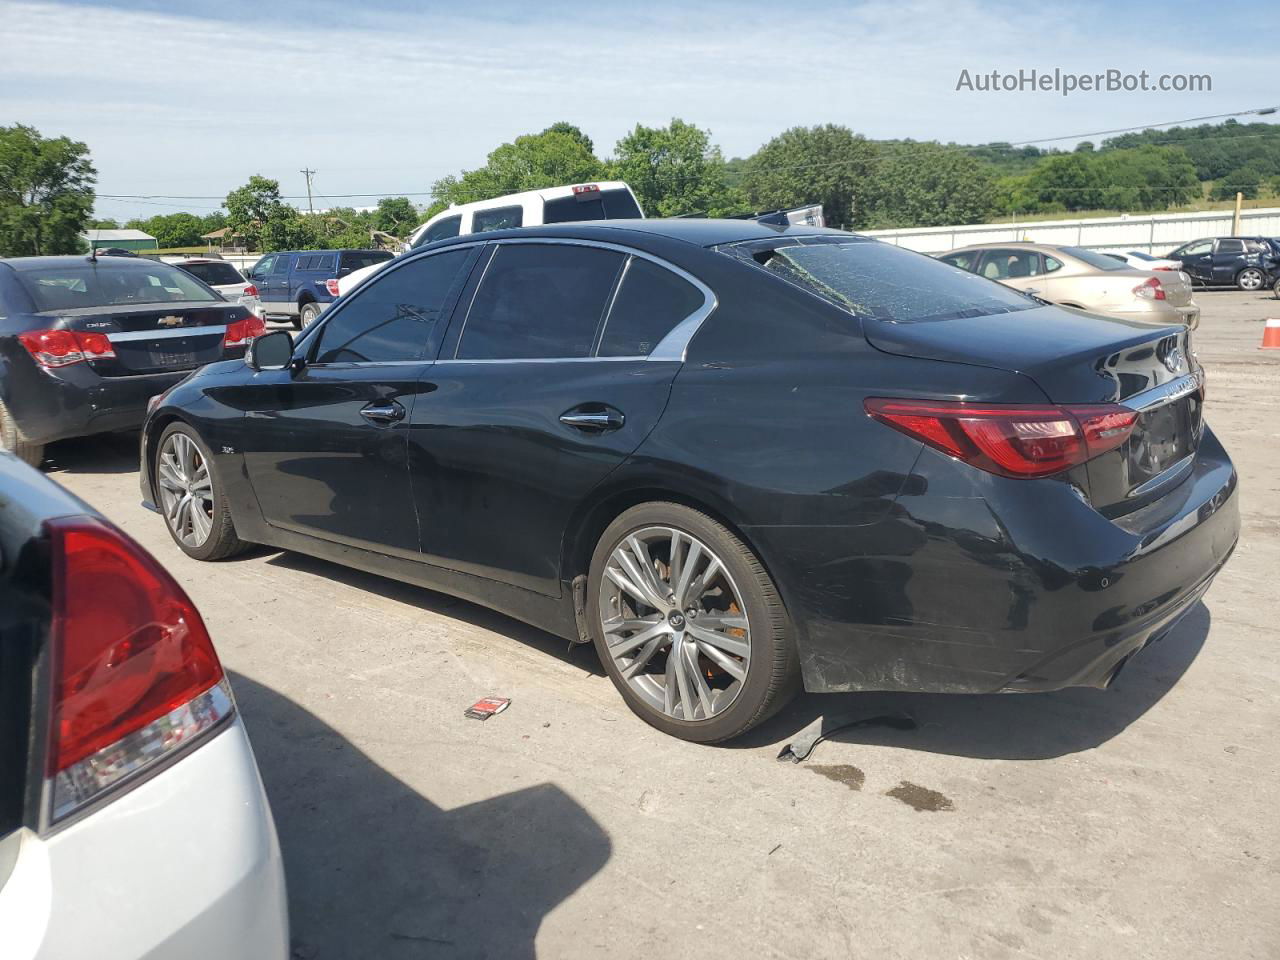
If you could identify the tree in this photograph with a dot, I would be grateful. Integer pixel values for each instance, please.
(1247, 180)
(46, 192)
(828, 164)
(926, 185)
(574, 131)
(548, 159)
(396, 216)
(674, 170)
(256, 212)
(103, 225)
(1068, 181)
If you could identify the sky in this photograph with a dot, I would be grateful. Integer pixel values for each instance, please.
(385, 97)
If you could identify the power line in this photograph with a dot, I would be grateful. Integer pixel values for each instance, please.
(1257, 111)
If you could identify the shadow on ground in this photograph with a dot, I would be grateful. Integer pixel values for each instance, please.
(103, 453)
(375, 869)
(1030, 726)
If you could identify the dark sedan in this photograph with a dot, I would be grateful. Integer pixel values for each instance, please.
(735, 457)
(86, 341)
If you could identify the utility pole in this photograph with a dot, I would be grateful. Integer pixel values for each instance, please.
(1235, 219)
(308, 173)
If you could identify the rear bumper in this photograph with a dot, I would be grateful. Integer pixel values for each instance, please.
(184, 865)
(75, 402)
(979, 584)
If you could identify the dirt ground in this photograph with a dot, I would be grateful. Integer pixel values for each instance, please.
(1139, 822)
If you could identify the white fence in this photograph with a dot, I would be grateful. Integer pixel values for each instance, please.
(1150, 233)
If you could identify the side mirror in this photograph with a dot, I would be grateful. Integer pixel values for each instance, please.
(272, 351)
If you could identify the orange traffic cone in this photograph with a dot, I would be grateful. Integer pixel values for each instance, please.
(1271, 336)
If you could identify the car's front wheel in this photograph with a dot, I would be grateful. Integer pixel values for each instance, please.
(11, 439)
(688, 624)
(1250, 279)
(308, 314)
(191, 498)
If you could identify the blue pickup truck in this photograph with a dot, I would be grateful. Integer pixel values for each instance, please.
(299, 284)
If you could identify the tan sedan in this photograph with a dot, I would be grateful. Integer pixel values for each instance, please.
(1076, 277)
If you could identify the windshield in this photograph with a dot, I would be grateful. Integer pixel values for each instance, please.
(877, 280)
(1098, 260)
(214, 274)
(1142, 256)
(105, 284)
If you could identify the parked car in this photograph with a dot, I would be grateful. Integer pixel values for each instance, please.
(300, 284)
(609, 200)
(1085, 279)
(133, 823)
(1244, 262)
(228, 282)
(736, 457)
(85, 342)
(1144, 261)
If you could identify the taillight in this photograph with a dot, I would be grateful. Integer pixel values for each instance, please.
(249, 291)
(61, 348)
(1149, 289)
(1013, 441)
(135, 675)
(332, 286)
(244, 331)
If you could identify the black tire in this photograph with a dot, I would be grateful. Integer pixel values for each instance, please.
(222, 541)
(308, 313)
(11, 439)
(1251, 279)
(1275, 288)
(773, 675)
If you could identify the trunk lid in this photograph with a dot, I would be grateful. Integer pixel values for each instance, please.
(155, 337)
(1080, 358)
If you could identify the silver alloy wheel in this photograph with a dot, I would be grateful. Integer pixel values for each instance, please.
(674, 623)
(308, 315)
(186, 490)
(1250, 279)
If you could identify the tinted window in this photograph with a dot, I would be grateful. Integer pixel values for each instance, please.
(1011, 264)
(359, 259)
(539, 300)
(304, 263)
(88, 285)
(441, 230)
(500, 218)
(282, 264)
(650, 302)
(392, 316)
(1098, 260)
(263, 266)
(1231, 246)
(214, 274)
(1142, 256)
(324, 263)
(615, 204)
(965, 261)
(872, 279)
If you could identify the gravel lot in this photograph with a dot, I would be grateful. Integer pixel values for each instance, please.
(1140, 821)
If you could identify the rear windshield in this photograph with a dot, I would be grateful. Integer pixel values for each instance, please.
(877, 280)
(104, 284)
(359, 259)
(1142, 256)
(1093, 259)
(614, 204)
(214, 274)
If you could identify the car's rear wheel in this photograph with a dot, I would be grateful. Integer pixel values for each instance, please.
(1250, 279)
(688, 624)
(11, 439)
(308, 314)
(191, 497)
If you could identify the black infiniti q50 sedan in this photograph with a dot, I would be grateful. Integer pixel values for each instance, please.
(736, 458)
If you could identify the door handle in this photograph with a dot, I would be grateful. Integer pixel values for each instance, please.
(596, 420)
(383, 412)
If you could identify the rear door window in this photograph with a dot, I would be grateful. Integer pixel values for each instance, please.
(1231, 246)
(1010, 264)
(649, 304)
(499, 218)
(539, 301)
(393, 316)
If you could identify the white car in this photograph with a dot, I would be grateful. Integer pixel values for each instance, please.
(1144, 261)
(229, 282)
(133, 822)
(606, 200)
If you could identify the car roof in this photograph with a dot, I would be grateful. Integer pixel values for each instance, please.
(343, 250)
(702, 233)
(22, 264)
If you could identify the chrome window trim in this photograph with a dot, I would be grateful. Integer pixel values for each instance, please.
(166, 333)
(1167, 392)
(673, 346)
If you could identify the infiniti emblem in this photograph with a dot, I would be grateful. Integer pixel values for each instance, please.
(1173, 360)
